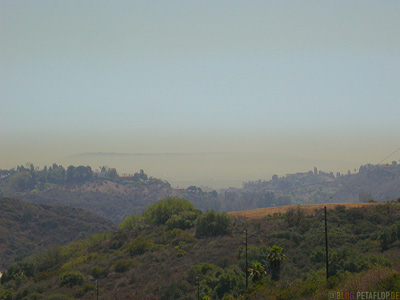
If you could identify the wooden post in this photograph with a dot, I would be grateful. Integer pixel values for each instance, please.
(326, 245)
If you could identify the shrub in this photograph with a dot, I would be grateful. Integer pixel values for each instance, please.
(6, 294)
(175, 291)
(58, 297)
(18, 271)
(349, 260)
(139, 246)
(180, 252)
(117, 240)
(72, 278)
(98, 272)
(183, 221)
(160, 212)
(390, 283)
(131, 222)
(213, 224)
(34, 296)
(177, 236)
(223, 282)
(122, 265)
(199, 270)
(84, 289)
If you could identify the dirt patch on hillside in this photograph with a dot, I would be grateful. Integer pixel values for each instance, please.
(309, 209)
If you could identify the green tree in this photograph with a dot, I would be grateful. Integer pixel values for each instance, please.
(221, 283)
(183, 220)
(112, 174)
(98, 272)
(384, 241)
(79, 174)
(160, 212)
(213, 224)
(71, 278)
(257, 271)
(139, 246)
(131, 222)
(275, 257)
(22, 181)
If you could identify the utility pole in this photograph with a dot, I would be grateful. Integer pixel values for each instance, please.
(247, 280)
(198, 288)
(97, 290)
(326, 245)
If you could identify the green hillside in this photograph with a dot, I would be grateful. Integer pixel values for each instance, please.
(172, 251)
(27, 228)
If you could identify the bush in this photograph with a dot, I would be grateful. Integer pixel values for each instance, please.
(199, 270)
(176, 291)
(213, 224)
(182, 221)
(160, 212)
(391, 283)
(34, 296)
(58, 297)
(72, 278)
(84, 289)
(98, 272)
(347, 259)
(221, 282)
(17, 271)
(131, 222)
(139, 246)
(6, 295)
(122, 265)
(177, 236)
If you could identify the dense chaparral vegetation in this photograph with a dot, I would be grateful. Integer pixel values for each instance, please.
(27, 228)
(169, 249)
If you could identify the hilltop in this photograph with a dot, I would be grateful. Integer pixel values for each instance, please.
(370, 182)
(104, 194)
(28, 228)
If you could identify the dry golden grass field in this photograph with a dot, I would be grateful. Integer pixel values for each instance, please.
(309, 209)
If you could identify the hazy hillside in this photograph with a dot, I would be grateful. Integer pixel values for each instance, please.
(172, 251)
(27, 228)
(104, 194)
(377, 182)
(114, 196)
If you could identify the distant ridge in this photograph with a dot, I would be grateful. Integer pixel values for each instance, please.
(152, 153)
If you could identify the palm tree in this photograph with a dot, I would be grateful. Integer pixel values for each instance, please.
(275, 257)
(257, 271)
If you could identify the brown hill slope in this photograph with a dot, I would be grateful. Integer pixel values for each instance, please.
(309, 209)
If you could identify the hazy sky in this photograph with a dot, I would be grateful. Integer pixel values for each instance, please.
(248, 88)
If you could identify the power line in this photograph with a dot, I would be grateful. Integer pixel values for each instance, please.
(388, 156)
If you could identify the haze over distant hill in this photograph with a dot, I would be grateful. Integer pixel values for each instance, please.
(116, 196)
(217, 169)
